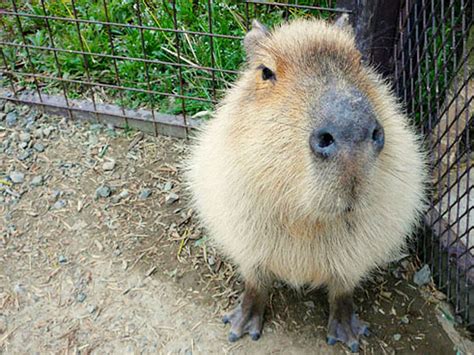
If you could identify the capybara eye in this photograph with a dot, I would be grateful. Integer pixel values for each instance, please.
(267, 74)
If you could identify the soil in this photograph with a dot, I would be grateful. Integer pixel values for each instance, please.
(134, 273)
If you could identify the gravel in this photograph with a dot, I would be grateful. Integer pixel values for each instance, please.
(17, 177)
(37, 181)
(103, 192)
(38, 147)
(108, 165)
(144, 194)
(422, 276)
(12, 119)
(171, 198)
(25, 137)
(59, 204)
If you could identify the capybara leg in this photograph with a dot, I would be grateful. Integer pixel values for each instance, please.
(344, 324)
(247, 317)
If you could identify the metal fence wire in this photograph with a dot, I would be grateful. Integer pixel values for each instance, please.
(158, 65)
(434, 62)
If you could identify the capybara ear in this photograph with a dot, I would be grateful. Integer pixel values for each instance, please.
(343, 22)
(255, 36)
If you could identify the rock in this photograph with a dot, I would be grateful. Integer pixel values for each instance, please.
(81, 296)
(38, 147)
(11, 119)
(25, 137)
(38, 133)
(59, 204)
(168, 186)
(309, 304)
(19, 289)
(62, 259)
(47, 131)
(91, 308)
(23, 145)
(422, 276)
(397, 337)
(171, 198)
(108, 165)
(37, 181)
(24, 155)
(17, 177)
(211, 260)
(121, 195)
(405, 319)
(144, 194)
(103, 191)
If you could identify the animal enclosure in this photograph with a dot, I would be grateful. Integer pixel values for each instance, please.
(160, 66)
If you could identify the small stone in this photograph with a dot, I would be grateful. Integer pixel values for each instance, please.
(168, 186)
(17, 177)
(171, 198)
(109, 165)
(62, 259)
(309, 304)
(103, 191)
(56, 194)
(188, 352)
(120, 196)
(405, 319)
(38, 147)
(23, 145)
(37, 181)
(91, 308)
(24, 155)
(38, 133)
(81, 296)
(59, 204)
(397, 337)
(422, 276)
(47, 131)
(144, 194)
(12, 118)
(25, 137)
(19, 289)
(211, 260)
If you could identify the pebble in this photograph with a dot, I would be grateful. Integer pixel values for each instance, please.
(171, 198)
(37, 181)
(309, 304)
(38, 147)
(405, 320)
(81, 296)
(47, 131)
(91, 308)
(12, 118)
(422, 276)
(109, 165)
(38, 133)
(62, 259)
(144, 194)
(59, 204)
(19, 289)
(24, 155)
(121, 195)
(23, 145)
(103, 191)
(397, 337)
(211, 260)
(25, 137)
(168, 186)
(17, 177)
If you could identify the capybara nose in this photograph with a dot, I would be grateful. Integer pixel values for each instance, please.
(323, 143)
(349, 135)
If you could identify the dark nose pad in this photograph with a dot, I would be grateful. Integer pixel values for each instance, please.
(378, 137)
(323, 143)
(326, 141)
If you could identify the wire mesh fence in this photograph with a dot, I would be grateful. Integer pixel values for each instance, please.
(434, 76)
(173, 57)
(157, 65)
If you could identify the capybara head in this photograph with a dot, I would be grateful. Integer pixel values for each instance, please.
(318, 131)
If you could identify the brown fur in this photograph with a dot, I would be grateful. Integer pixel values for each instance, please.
(271, 207)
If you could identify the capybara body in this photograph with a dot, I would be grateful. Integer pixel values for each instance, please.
(309, 172)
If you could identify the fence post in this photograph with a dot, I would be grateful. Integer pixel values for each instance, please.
(375, 27)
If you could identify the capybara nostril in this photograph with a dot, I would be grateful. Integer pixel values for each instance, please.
(323, 143)
(378, 137)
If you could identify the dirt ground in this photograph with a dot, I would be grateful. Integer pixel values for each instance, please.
(99, 253)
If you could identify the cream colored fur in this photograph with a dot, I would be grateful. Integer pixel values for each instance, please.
(269, 205)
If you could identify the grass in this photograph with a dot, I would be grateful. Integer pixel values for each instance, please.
(228, 18)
